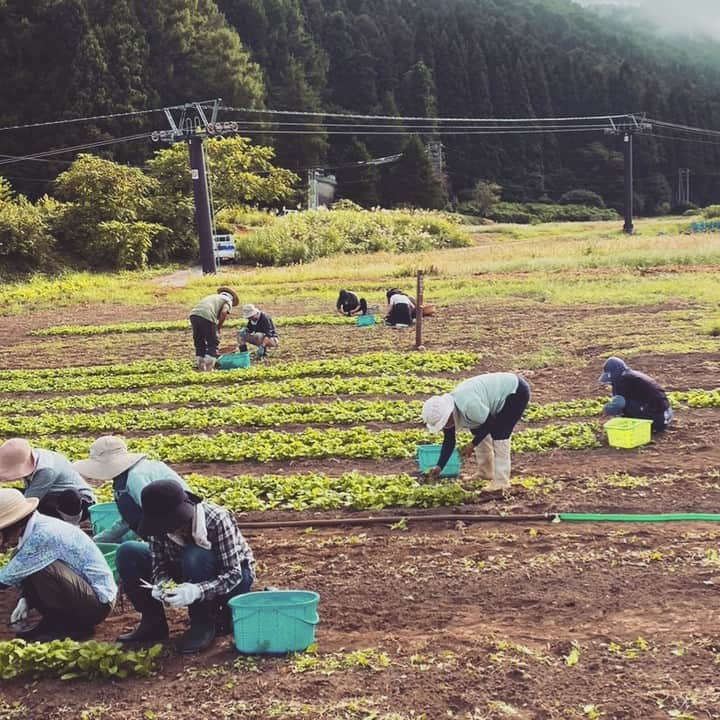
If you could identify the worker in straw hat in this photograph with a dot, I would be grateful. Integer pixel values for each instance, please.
(60, 571)
(49, 478)
(207, 319)
(130, 473)
(489, 406)
(635, 395)
(260, 331)
(194, 543)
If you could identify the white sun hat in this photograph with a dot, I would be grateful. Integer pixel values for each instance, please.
(249, 311)
(109, 457)
(437, 411)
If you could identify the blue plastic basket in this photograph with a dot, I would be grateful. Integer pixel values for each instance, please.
(428, 456)
(103, 516)
(232, 361)
(274, 621)
(365, 320)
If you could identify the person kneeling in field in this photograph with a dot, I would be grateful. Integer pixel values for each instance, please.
(49, 477)
(260, 331)
(635, 395)
(61, 573)
(349, 304)
(194, 543)
(130, 474)
(489, 406)
(400, 308)
(207, 319)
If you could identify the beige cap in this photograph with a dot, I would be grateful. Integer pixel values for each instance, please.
(14, 506)
(249, 311)
(16, 460)
(109, 457)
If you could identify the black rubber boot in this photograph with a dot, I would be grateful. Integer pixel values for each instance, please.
(201, 633)
(152, 628)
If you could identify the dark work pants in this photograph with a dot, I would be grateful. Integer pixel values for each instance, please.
(502, 425)
(64, 598)
(635, 409)
(205, 336)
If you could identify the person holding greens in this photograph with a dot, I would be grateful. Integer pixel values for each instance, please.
(348, 303)
(260, 331)
(207, 319)
(635, 395)
(49, 477)
(59, 570)
(130, 474)
(197, 558)
(489, 406)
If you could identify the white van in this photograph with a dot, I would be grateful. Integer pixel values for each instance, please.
(224, 247)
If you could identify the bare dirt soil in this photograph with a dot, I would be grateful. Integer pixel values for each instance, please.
(487, 620)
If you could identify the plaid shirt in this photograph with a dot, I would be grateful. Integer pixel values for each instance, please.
(228, 544)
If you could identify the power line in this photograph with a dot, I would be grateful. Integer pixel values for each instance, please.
(685, 128)
(470, 131)
(685, 139)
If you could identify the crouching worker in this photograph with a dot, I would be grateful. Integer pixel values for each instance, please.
(130, 474)
(489, 406)
(207, 319)
(635, 395)
(400, 308)
(58, 568)
(195, 544)
(49, 477)
(260, 331)
(348, 303)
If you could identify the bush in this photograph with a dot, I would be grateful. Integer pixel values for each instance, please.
(711, 211)
(525, 213)
(125, 245)
(230, 218)
(25, 238)
(302, 237)
(582, 197)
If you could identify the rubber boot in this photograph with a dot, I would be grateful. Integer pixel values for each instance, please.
(198, 362)
(485, 458)
(501, 449)
(153, 626)
(201, 633)
(209, 362)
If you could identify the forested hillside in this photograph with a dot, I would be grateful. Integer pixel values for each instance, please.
(479, 58)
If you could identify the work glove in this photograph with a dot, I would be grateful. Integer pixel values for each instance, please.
(433, 473)
(157, 593)
(183, 595)
(20, 612)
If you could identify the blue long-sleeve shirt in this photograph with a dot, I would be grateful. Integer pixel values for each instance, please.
(47, 540)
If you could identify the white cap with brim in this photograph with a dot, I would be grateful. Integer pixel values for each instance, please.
(437, 411)
(109, 457)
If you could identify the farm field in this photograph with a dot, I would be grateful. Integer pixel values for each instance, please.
(516, 616)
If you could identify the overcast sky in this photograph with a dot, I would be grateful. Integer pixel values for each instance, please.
(695, 16)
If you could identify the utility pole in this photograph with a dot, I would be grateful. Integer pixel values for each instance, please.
(312, 202)
(419, 300)
(203, 215)
(683, 195)
(628, 227)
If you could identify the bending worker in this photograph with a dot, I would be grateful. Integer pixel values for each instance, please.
(49, 477)
(61, 572)
(489, 406)
(635, 395)
(348, 303)
(400, 308)
(207, 319)
(130, 473)
(194, 543)
(260, 331)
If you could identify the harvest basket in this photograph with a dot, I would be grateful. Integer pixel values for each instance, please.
(235, 360)
(628, 432)
(428, 455)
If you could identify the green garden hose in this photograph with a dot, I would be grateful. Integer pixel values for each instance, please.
(664, 517)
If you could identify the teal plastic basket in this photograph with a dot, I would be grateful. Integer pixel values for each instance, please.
(109, 551)
(274, 622)
(428, 456)
(103, 516)
(233, 361)
(365, 320)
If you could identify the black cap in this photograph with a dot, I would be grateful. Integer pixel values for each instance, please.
(165, 507)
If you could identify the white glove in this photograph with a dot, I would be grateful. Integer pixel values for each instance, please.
(157, 592)
(21, 611)
(182, 595)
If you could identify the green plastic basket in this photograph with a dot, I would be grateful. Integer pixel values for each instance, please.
(628, 432)
(109, 551)
(365, 320)
(103, 516)
(428, 456)
(232, 361)
(274, 622)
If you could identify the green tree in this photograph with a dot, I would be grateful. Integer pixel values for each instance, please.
(411, 180)
(358, 183)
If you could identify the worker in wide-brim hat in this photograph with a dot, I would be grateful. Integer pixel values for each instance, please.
(196, 544)
(260, 331)
(49, 477)
(489, 406)
(61, 573)
(207, 319)
(130, 473)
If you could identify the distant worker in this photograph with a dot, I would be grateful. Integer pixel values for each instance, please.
(59, 570)
(207, 319)
(49, 477)
(635, 395)
(130, 473)
(260, 331)
(400, 308)
(489, 406)
(197, 558)
(349, 304)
